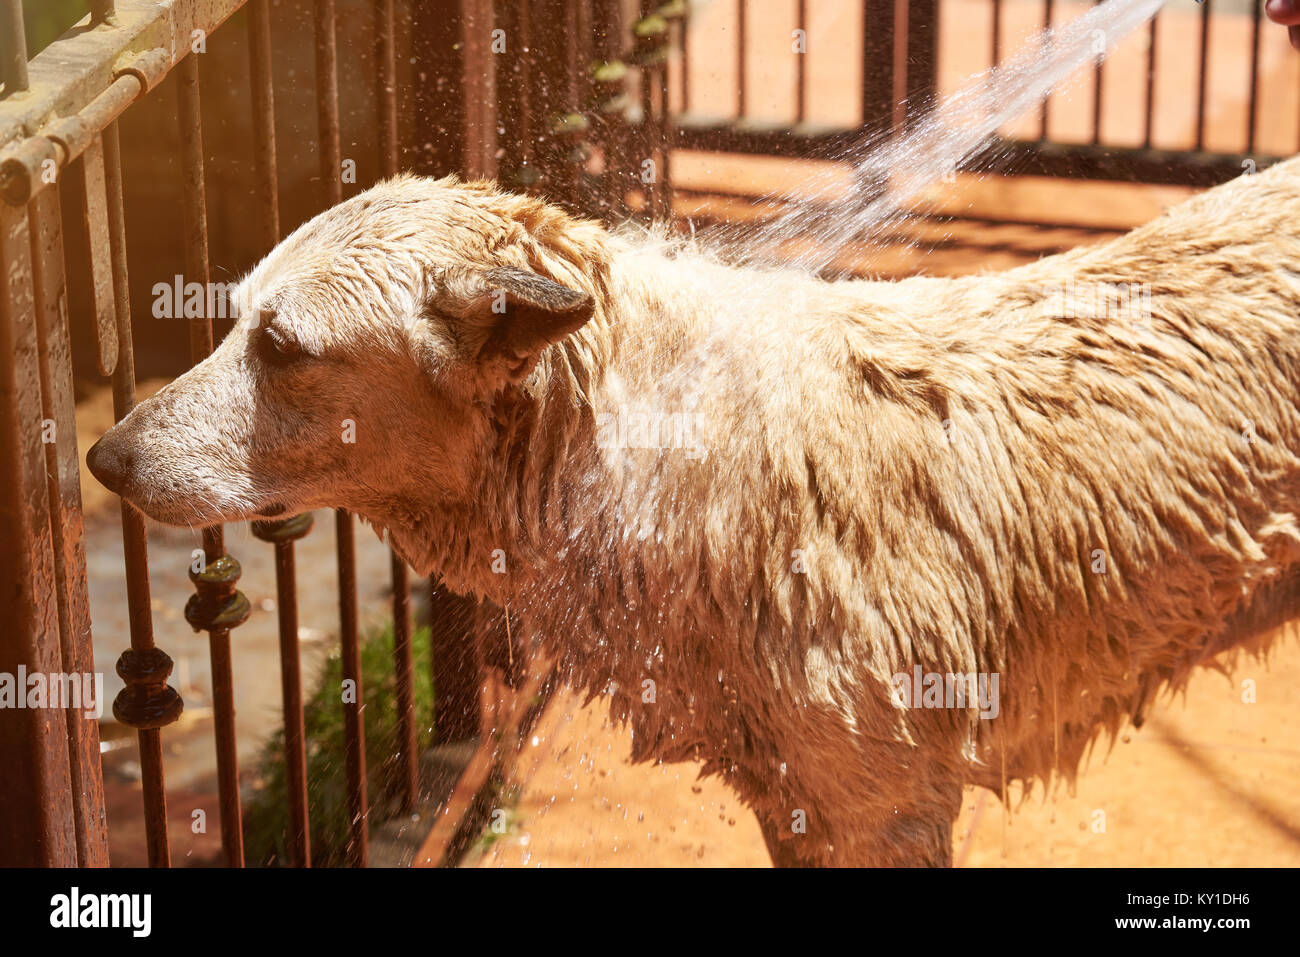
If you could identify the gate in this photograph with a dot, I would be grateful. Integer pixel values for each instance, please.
(903, 51)
(558, 102)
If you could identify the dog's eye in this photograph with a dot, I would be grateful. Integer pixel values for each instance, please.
(279, 350)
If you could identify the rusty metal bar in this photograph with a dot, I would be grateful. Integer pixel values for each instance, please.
(1252, 108)
(404, 671)
(36, 821)
(67, 528)
(263, 90)
(1150, 112)
(386, 96)
(147, 703)
(922, 56)
(1036, 158)
(742, 30)
(572, 38)
(295, 742)
(801, 78)
(569, 142)
(1047, 100)
(995, 54)
(218, 606)
(100, 256)
(878, 27)
(478, 77)
(327, 117)
(664, 185)
(1098, 86)
(1202, 74)
(612, 87)
(64, 139)
(353, 725)
(406, 782)
(327, 103)
(85, 63)
(525, 94)
(13, 45)
(585, 88)
(651, 131)
(283, 534)
(683, 48)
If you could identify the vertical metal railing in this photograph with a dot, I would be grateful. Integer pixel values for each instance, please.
(800, 62)
(73, 600)
(13, 47)
(922, 56)
(34, 825)
(479, 96)
(281, 533)
(1202, 73)
(406, 783)
(1252, 102)
(52, 796)
(742, 44)
(48, 554)
(217, 606)
(1098, 92)
(1149, 110)
(1048, 11)
(331, 165)
(610, 87)
(147, 703)
(878, 95)
(995, 51)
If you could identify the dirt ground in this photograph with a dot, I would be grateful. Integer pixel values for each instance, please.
(1209, 782)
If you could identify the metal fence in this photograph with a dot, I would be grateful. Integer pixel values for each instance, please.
(901, 55)
(557, 103)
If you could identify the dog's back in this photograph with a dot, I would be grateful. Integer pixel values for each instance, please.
(1078, 476)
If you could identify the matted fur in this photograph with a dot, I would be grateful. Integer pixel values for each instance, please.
(881, 475)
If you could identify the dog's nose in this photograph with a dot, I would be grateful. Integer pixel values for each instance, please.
(110, 462)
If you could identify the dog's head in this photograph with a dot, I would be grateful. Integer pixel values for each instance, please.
(369, 351)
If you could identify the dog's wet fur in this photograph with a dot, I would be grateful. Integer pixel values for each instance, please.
(975, 475)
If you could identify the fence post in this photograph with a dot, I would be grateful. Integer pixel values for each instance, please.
(478, 87)
(878, 92)
(922, 56)
(36, 821)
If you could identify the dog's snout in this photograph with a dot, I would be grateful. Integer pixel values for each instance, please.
(110, 462)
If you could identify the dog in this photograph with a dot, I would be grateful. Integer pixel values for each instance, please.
(852, 545)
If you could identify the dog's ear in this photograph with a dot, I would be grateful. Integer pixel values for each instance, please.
(528, 312)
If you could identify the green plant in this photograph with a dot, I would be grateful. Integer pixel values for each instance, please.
(266, 817)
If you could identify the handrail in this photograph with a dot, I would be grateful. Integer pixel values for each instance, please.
(71, 78)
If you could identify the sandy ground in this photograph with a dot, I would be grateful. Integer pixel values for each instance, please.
(1209, 782)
